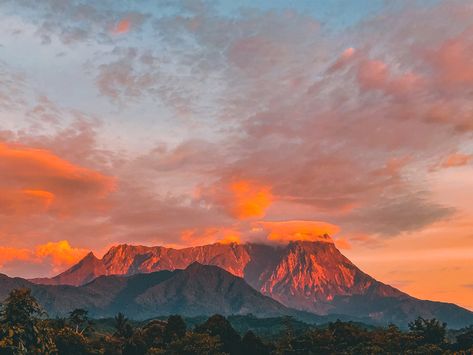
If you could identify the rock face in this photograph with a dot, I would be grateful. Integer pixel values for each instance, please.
(302, 275)
(307, 276)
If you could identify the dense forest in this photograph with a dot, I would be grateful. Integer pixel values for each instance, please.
(26, 329)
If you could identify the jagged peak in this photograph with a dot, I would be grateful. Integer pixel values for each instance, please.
(89, 257)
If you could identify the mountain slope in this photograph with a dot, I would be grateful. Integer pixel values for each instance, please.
(85, 270)
(308, 276)
(197, 290)
(302, 275)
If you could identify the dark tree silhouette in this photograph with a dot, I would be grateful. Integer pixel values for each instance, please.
(80, 320)
(123, 329)
(428, 331)
(195, 344)
(69, 342)
(465, 340)
(252, 345)
(22, 329)
(218, 325)
(174, 329)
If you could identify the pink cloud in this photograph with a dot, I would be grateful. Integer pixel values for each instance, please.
(456, 159)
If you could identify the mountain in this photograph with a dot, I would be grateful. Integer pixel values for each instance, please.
(85, 270)
(197, 290)
(308, 276)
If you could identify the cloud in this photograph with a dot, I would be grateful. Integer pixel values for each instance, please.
(210, 235)
(453, 61)
(8, 255)
(61, 254)
(123, 26)
(455, 160)
(38, 181)
(286, 231)
(264, 115)
(57, 256)
(241, 199)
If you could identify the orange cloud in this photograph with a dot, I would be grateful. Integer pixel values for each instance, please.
(36, 181)
(342, 243)
(250, 200)
(210, 235)
(123, 26)
(242, 199)
(456, 159)
(60, 253)
(10, 254)
(286, 231)
(24, 202)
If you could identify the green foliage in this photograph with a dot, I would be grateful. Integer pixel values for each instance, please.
(80, 320)
(196, 344)
(135, 345)
(123, 328)
(428, 331)
(219, 326)
(23, 330)
(69, 342)
(174, 329)
(20, 308)
(253, 345)
(153, 333)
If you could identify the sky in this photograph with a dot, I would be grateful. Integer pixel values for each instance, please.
(183, 123)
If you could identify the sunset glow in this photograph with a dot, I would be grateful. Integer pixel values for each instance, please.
(182, 124)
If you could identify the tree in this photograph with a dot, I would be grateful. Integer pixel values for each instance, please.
(465, 340)
(428, 331)
(80, 320)
(21, 327)
(218, 325)
(153, 333)
(174, 329)
(21, 308)
(284, 344)
(135, 345)
(70, 342)
(252, 345)
(123, 329)
(196, 344)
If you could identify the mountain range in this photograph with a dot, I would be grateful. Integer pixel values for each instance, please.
(197, 290)
(306, 276)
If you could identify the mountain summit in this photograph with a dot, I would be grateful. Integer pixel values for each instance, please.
(306, 275)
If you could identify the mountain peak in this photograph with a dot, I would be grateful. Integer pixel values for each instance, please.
(308, 274)
(195, 265)
(90, 256)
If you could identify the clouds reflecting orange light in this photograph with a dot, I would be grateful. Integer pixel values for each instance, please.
(123, 26)
(58, 255)
(38, 181)
(299, 230)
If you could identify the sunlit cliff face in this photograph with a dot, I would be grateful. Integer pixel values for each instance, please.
(177, 124)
